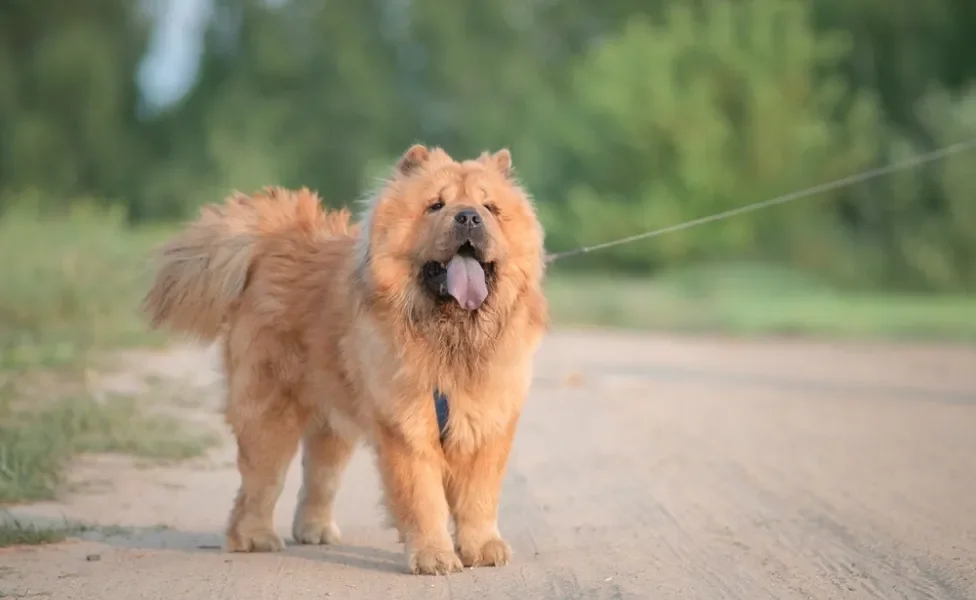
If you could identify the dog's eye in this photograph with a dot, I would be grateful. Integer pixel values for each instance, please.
(436, 206)
(493, 209)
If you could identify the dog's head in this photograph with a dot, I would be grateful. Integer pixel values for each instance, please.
(448, 240)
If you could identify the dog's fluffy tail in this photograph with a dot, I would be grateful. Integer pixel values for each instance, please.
(202, 272)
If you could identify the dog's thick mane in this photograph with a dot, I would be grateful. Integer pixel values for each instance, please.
(467, 341)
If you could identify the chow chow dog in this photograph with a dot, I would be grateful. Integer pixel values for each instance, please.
(413, 329)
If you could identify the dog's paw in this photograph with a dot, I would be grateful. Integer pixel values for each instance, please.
(434, 561)
(317, 533)
(255, 541)
(493, 553)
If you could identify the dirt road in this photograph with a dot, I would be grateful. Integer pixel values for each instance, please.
(645, 467)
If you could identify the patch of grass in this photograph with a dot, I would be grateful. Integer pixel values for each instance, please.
(37, 439)
(755, 300)
(70, 284)
(14, 532)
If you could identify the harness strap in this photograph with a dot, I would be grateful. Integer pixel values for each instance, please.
(442, 410)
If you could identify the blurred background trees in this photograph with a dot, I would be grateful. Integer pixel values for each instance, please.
(621, 115)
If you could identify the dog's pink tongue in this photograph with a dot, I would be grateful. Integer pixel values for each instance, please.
(466, 282)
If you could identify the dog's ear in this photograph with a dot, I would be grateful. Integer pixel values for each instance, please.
(412, 159)
(501, 161)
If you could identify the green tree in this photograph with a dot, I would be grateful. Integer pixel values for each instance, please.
(923, 221)
(901, 47)
(700, 112)
(301, 94)
(68, 97)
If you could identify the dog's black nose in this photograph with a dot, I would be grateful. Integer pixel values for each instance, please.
(468, 217)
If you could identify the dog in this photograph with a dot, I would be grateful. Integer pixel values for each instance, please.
(413, 330)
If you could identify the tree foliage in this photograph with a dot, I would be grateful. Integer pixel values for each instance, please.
(622, 116)
(68, 102)
(702, 111)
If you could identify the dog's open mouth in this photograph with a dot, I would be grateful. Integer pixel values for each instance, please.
(464, 277)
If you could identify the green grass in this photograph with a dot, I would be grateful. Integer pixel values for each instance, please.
(70, 288)
(14, 532)
(70, 285)
(37, 439)
(756, 301)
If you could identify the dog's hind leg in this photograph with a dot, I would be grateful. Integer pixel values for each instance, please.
(266, 443)
(326, 454)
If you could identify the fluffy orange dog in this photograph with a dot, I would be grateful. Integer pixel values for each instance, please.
(334, 333)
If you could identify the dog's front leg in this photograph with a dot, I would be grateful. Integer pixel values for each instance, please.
(473, 488)
(412, 470)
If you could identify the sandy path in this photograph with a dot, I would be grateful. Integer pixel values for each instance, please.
(645, 467)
